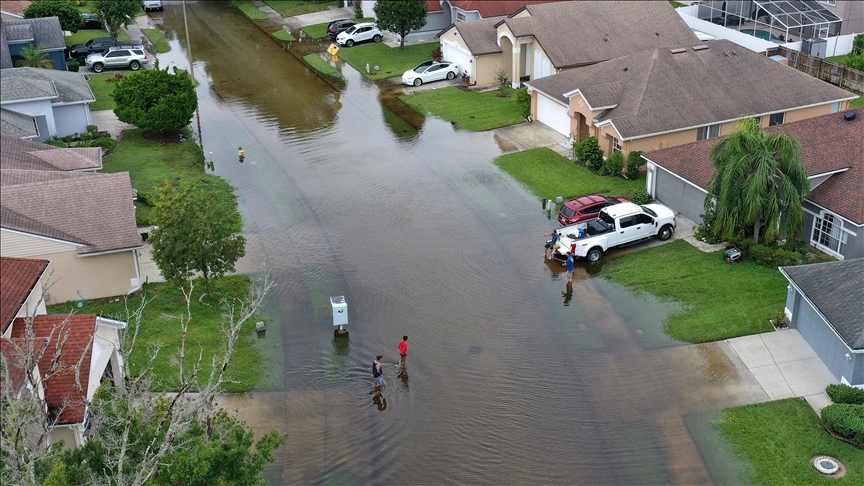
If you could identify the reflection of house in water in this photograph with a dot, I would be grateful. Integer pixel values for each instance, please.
(778, 21)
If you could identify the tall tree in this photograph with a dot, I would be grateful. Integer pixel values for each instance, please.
(116, 13)
(34, 56)
(64, 10)
(757, 175)
(401, 16)
(156, 100)
(196, 232)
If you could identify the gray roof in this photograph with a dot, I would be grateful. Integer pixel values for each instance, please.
(582, 33)
(18, 124)
(27, 83)
(17, 153)
(836, 290)
(657, 91)
(479, 36)
(5, 55)
(45, 32)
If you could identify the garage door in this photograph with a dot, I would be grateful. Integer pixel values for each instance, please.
(454, 53)
(679, 195)
(553, 114)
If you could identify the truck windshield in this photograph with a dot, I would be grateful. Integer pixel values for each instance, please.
(649, 211)
(607, 219)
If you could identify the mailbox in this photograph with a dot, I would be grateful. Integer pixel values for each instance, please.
(340, 311)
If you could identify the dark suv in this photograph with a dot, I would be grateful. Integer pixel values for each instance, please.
(337, 26)
(96, 44)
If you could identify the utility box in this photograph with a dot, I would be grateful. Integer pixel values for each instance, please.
(340, 311)
(815, 47)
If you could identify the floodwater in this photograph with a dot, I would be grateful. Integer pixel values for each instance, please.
(512, 378)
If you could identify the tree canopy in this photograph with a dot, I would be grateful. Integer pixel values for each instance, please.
(156, 100)
(757, 175)
(401, 16)
(197, 230)
(117, 13)
(64, 10)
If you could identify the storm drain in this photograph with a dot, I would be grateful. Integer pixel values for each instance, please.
(828, 466)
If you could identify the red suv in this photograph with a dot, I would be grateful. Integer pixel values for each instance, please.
(586, 207)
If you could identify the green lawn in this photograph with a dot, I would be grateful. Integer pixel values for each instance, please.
(859, 101)
(160, 324)
(473, 110)
(283, 35)
(777, 440)
(250, 10)
(322, 66)
(290, 8)
(721, 300)
(319, 31)
(102, 90)
(391, 61)
(677, 4)
(548, 174)
(157, 38)
(83, 36)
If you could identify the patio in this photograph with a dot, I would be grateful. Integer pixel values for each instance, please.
(778, 21)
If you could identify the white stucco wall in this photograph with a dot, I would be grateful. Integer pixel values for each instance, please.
(70, 119)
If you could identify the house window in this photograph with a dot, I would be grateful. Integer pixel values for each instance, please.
(711, 131)
(835, 107)
(828, 234)
(460, 16)
(776, 119)
(829, 2)
(616, 145)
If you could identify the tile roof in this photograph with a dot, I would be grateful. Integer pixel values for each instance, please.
(15, 6)
(18, 278)
(18, 124)
(497, 8)
(61, 389)
(45, 31)
(828, 143)
(582, 33)
(26, 83)
(17, 153)
(657, 91)
(11, 350)
(836, 290)
(434, 5)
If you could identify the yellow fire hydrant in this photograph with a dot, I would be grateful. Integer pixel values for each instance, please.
(240, 153)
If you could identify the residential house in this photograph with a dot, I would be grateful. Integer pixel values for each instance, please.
(832, 153)
(13, 9)
(54, 207)
(59, 101)
(666, 97)
(18, 124)
(23, 281)
(44, 33)
(541, 40)
(851, 11)
(825, 302)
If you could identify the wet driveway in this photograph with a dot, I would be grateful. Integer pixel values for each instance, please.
(511, 378)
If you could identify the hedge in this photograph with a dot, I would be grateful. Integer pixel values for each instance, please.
(845, 420)
(842, 393)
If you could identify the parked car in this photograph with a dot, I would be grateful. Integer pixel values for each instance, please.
(338, 26)
(586, 207)
(359, 33)
(90, 21)
(430, 71)
(94, 45)
(148, 5)
(118, 57)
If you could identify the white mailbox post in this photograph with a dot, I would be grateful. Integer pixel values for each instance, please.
(340, 313)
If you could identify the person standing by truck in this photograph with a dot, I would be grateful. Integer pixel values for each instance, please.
(550, 245)
(571, 266)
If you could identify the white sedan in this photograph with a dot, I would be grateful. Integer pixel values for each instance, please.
(430, 71)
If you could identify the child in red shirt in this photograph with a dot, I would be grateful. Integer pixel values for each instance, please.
(403, 350)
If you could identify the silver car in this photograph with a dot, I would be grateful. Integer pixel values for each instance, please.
(118, 57)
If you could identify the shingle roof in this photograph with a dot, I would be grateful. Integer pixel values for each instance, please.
(18, 277)
(657, 91)
(17, 153)
(95, 210)
(498, 8)
(15, 6)
(45, 31)
(20, 84)
(828, 143)
(17, 124)
(61, 389)
(5, 55)
(581, 33)
(836, 289)
(479, 36)
(10, 349)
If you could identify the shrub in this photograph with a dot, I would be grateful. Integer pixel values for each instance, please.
(590, 153)
(107, 143)
(842, 393)
(523, 100)
(56, 142)
(639, 196)
(92, 129)
(634, 164)
(147, 197)
(845, 420)
(358, 10)
(73, 66)
(613, 165)
(858, 45)
(705, 231)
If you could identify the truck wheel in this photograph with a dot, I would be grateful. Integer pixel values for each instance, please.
(98, 67)
(665, 233)
(594, 254)
(134, 65)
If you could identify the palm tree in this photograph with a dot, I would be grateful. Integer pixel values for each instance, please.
(758, 175)
(34, 56)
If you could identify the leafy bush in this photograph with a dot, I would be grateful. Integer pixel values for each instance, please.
(705, 231)
(858, 45)
(589, 152)
(358, 10)
(842, 393)
(107, 143)
(73, 66)
(774, 255)
(613, 165)
(56, 142)
(523, 99)
(845, 420)
(92, 129)
(639, 196)
(634, 164)
(147, 197)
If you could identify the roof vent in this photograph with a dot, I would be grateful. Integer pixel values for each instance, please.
(678, 51)
(700, 47)
(849, 115)
(626, 69)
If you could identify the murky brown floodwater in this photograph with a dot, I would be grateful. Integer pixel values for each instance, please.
(511, 378)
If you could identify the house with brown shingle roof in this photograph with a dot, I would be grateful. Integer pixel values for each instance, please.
(21, 286)
(833, 154)
(545, 39)
(671, 96)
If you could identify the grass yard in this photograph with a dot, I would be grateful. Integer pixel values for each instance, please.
(290, 8)
(83, 36)
(283, 35)
(777, 440)
(548, 174)
(859, 101)
(721, 300)
(319, 31)
(250, 10)
(392, 61)
(103, 90)
(160, 325)
(473, 110)
(157, 38)
(677, 4)
(322, 67)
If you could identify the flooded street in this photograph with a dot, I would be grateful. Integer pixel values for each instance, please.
(510, 378)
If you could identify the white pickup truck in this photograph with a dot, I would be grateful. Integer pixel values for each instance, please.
(617, 225)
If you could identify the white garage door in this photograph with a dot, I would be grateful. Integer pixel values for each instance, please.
(553, 114)
(454, 53)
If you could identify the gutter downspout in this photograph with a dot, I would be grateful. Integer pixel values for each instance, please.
(137, 274)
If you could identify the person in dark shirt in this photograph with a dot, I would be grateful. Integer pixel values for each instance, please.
(571, 265)
(376, 372)
(551, 244)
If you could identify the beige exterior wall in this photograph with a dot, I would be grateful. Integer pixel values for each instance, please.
(485, 67)
(18, 245)
(72, 436)
(92, 277)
